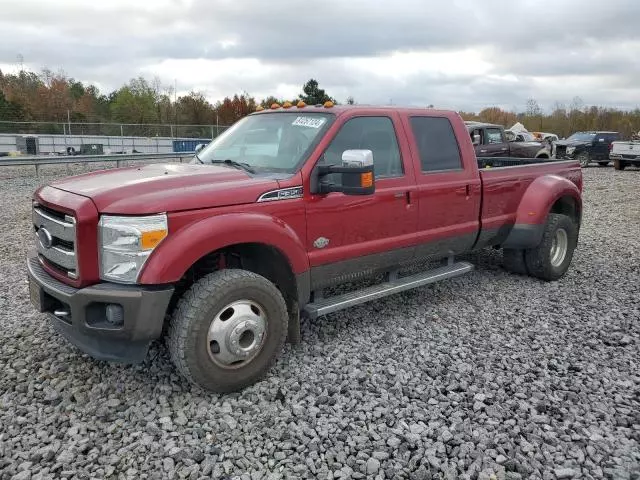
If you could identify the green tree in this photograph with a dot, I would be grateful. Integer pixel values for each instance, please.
(9, 111)
(135, 103)
(270, 100)
(314, 95)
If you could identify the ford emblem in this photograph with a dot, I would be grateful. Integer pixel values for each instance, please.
(46, 240)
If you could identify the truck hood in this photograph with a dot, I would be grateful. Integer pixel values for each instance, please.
(166, 187)
(571, 143)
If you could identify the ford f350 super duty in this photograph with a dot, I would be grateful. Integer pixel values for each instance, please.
(221, 256)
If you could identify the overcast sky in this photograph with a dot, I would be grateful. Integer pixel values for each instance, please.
(461, 54)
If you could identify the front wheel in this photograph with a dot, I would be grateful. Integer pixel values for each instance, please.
(227, 330)
(583, 158)
(551, 259)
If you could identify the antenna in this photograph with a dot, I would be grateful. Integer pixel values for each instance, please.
(21, 61)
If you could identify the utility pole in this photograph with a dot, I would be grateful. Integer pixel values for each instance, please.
(175, 101)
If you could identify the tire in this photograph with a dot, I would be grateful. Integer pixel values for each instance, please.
(603, 164)
(550, 260)
(584, 159)
(220, 306)
(619, 165)
(513, 261)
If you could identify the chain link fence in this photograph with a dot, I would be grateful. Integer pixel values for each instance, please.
(112, 129)
(38, 138)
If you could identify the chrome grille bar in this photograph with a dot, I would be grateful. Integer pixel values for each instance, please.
(59, 237)
(62, 229)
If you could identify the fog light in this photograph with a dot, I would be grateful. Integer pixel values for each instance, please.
(115, 315)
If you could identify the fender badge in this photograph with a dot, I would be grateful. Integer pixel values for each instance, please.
(321, 242)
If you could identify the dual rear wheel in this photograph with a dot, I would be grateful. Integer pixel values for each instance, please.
(551, 259)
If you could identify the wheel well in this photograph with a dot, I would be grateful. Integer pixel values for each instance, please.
(543, 155)
(568, 206)
(258, 258)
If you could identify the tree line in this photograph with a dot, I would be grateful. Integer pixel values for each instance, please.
(56, 98)
(563, 120)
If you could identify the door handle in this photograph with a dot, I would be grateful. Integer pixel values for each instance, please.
(483, 151)
(504, 149)
(406, 195)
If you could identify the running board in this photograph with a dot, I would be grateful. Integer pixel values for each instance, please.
(324, 306)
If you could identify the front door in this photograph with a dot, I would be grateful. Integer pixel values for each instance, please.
(351, 235)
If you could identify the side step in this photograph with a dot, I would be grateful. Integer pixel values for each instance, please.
(324, 306)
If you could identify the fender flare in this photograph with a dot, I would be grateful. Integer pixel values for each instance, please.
(179, 251)
(535, 206)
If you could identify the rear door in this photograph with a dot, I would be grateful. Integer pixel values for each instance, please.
(448, 190)
(348, 235)
(600, 147)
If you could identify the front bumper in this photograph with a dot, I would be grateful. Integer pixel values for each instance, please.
(625, 158)
(80, 315)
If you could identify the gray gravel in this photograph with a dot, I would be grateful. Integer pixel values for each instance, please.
(489, 376)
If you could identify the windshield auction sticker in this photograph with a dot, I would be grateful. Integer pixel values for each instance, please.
(311, 122)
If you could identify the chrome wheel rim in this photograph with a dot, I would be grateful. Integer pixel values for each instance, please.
(236, 334)
(559, 247)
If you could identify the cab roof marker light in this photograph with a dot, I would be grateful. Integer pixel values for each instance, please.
(301, 104)
(287, 105)
(275, 106)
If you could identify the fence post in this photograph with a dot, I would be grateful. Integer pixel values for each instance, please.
(212, 137)
(121, 138)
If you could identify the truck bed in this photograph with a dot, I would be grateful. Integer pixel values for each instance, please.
(504, 182)
(491, 162)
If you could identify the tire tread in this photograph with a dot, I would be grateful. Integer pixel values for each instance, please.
(204, 294)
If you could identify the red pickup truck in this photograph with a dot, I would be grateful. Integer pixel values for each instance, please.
(222, 255)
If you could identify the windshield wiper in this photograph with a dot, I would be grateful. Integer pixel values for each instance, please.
(241, 165)
(198, 158)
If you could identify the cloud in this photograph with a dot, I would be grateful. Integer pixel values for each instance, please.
(459, 54)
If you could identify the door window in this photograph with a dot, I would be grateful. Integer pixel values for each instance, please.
(494, 135)
(437, 144)
(369, 133)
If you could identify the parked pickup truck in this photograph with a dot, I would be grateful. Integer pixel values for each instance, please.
(586, 147)
(492, 141)
(626, 153)
(222, 255)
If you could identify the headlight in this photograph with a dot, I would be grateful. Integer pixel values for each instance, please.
(570, 150)
(126, 243)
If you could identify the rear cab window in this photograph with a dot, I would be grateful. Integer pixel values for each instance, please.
(437, 144)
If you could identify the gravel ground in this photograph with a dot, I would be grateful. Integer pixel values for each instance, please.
(487, 376)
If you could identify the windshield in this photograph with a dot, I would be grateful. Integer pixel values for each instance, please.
(582, 136)
(273, 142)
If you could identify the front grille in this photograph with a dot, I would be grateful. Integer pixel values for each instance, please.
(55, 237)
(630, 157)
